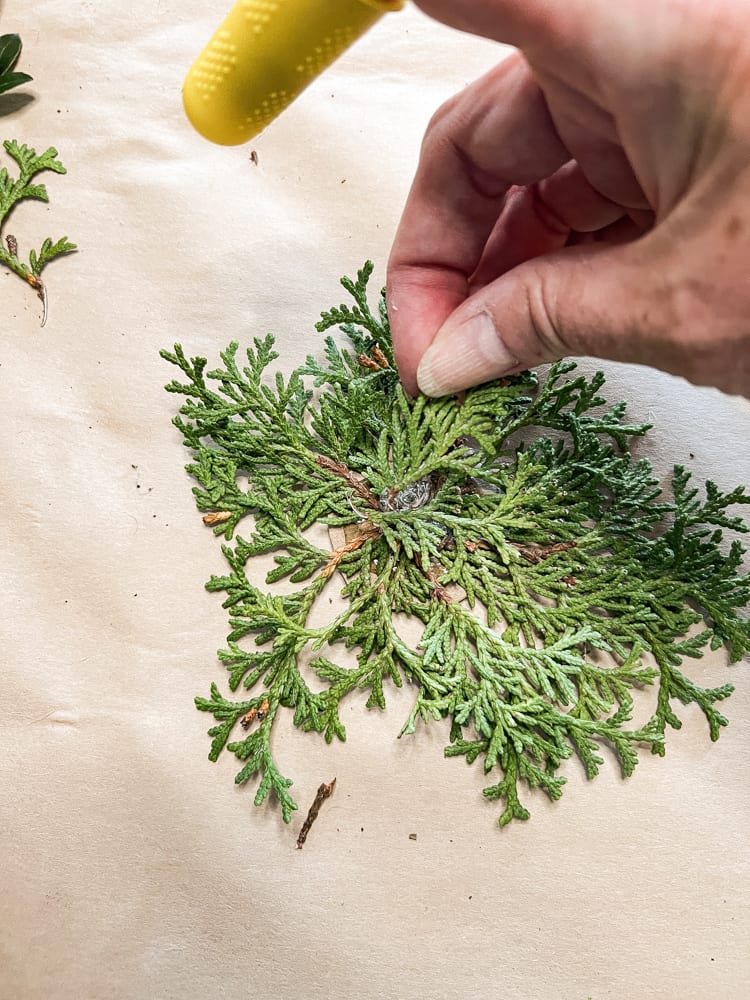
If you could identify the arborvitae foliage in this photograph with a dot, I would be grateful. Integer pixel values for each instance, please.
(16, 189)
(549, 575)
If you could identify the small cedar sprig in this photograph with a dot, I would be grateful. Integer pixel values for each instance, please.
(550, 575)
(14, 190)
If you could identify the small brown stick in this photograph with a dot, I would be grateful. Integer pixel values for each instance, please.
(367, 531)
(537, 553)
(216, 517)
(324, 792)
(356, 482)
(12, 245)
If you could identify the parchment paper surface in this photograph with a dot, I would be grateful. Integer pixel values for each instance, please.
(131, 866)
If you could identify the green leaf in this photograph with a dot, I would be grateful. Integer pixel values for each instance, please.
(8, 81)
(48, 251)
(10, 50)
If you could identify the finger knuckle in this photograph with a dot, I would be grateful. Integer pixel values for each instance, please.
(548, 338)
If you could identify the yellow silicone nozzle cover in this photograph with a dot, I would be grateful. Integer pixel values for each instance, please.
(263, 55)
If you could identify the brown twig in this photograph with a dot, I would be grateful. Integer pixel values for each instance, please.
(356, 482)
(366, 532)
(325, 791)
(538, 553)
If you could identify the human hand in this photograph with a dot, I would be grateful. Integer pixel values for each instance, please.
(589, 196)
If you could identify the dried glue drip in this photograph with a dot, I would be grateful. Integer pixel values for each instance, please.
(411, 497)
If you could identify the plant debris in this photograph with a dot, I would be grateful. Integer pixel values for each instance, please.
(325, 791)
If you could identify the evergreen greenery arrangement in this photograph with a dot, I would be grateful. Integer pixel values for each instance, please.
(549, 575)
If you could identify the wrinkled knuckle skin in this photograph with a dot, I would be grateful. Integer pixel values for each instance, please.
(547, 342)
(437, 142)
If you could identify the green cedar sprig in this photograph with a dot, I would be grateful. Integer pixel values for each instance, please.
(550, 576)
(14, 190)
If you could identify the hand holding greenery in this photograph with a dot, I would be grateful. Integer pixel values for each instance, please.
(550, 579)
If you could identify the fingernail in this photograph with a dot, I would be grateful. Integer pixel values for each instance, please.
(464, 355)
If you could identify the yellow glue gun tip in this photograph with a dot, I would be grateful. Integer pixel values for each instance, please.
(217, 129)
(263, 56)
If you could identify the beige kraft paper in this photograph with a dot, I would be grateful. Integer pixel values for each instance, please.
(132, 868)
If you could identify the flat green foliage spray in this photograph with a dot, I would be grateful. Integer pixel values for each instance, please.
(549, 574)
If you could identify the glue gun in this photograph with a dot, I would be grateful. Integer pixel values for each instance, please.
(264, 55)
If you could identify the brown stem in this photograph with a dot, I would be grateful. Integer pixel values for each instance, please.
(325, 791)
(538, 553)
(365, 532)
(41, 290)
(356, 482)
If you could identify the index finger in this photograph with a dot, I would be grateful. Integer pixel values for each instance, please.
(496, 134)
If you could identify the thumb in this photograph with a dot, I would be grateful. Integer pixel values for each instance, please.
(593, 299)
